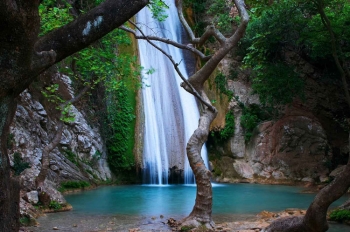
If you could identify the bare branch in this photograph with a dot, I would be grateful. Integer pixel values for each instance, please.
(168, 41)
(210, 30)
(198, 79)
(187, 27)
(190, 88)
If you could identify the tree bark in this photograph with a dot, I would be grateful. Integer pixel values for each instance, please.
(9, 187)
(202, 211)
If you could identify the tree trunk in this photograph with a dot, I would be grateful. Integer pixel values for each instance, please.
(201, 212)
(315, 219)
(9, 188)
(45, 160)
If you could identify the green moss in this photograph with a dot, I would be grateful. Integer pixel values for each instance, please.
(187, 228)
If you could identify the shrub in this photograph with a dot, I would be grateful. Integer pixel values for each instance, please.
(71, 156)
(251, 117)
(55, 205)
(220, 136)
(340, 215)
(73, 185)
(18, 164)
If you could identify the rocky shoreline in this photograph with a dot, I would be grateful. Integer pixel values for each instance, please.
(161, 223)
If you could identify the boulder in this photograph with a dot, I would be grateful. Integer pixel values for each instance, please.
(243, 169)
(32, 197)
(294, 147)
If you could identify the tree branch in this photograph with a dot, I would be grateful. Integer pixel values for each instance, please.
(86, 29)
(198, 79)
(210, 30)
(190, 87)
(168, 41)
(45, 160)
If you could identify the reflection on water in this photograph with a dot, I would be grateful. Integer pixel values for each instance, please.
(231, 202)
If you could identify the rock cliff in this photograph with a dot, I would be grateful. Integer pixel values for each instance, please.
(80, 155)
(305, 143)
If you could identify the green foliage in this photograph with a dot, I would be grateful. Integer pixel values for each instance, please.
(220, 10)
(91, 173)
(25, 221)
(69, 185)
(277, 84)
(120, 115)
(118, 71)
(10, 140)
(276, 29)
(157, 8)
(52, 95)
(18, 164)
(251, 117)
(217, 171)
(55, 205)
(229, 128)
(292, 25)
(340, 215)
(53, 16)
(198, 7)
(316, 38)
(187, 228)
(71, 156)
(221, 83)
(220, 136)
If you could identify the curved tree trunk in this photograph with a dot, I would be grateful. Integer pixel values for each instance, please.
(201, 212)
(9, 188)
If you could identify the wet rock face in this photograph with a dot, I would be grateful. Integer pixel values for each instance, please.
(295, 147)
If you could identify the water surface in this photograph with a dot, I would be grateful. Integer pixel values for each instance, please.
(135, 204)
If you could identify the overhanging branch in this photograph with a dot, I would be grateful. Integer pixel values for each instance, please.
(86, 29)
(167, 41)
(189, 87)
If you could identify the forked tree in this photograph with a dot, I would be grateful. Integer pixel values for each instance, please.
(201, 214)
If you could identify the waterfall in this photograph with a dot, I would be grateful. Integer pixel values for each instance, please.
(171, 114)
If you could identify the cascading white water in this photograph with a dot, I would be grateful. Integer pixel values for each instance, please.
(171, 114)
